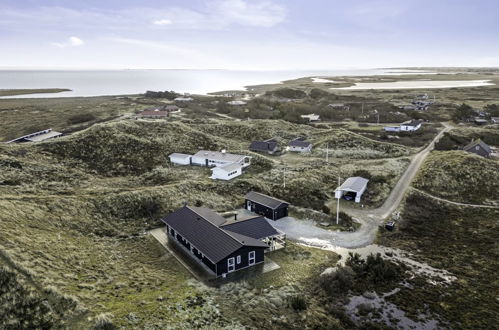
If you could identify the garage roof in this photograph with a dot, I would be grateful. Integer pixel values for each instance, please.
(355, 184)
(265, 200)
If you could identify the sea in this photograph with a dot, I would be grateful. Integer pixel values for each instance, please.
(123, 82)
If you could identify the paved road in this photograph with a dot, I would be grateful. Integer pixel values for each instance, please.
(370, 219)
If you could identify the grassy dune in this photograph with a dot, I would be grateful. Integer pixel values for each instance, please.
(460, 240)
(461, 177)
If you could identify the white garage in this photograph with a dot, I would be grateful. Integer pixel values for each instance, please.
(181, 159)
(352, 186)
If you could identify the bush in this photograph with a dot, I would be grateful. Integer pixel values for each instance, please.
(81, 118)
(298, 303)
(338, 282)
(289, 93)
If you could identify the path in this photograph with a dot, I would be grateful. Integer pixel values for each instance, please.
(455, 203)
(370, 219)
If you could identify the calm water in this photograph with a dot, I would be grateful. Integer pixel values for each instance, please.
(119, 82)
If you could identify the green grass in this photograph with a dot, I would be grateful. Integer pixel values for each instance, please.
(460, 176)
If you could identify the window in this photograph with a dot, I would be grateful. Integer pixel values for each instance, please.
(231, 266)
(238, 260)
(251, 258)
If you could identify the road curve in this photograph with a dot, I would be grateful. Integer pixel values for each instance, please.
(370, 219)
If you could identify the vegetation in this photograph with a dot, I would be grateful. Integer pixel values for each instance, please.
(461, 177)
(169, 95)
(460, 240)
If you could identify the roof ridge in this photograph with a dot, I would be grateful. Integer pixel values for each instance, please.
(221, 229)
(277, 199)
(243, 220)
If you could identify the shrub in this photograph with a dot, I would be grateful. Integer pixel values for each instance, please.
(338, 282)
(298, 303)
(81, 118)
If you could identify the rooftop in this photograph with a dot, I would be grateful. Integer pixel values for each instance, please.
(216, 155)
(299, 142)
(355, 183)
(476, 143)
(266, 200)
(200, 226)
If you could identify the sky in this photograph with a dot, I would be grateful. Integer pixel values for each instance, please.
(248, 34)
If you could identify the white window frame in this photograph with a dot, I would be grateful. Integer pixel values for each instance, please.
(238, 260)
(251, 258)
(231, 265)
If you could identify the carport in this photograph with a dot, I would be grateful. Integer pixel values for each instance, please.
(355, 185)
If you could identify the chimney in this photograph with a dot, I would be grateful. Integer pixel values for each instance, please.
(235, 216)
(185, 203)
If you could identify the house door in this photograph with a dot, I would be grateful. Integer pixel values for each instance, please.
(231, 265)
(248, 207)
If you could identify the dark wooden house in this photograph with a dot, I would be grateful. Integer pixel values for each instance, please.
(267, 206)
(478, 147)
(269, 146)
(199, 231)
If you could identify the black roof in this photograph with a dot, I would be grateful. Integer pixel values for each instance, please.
(256, 227)
(299, 142)
(265, 200)
(266, 145)
(200, 226)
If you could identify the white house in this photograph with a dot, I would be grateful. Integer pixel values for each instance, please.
(227, 171)
(355, 185)
(215, 158)
(311, 117)
(183, 99)
(224, 166)
(300, 145)
(236, 102)
(181, 159)
(412, 125)
(408, 126)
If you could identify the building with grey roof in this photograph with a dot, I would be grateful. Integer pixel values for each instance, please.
(220, 246)
(300, 145)
(353, 185)
(479, 148)
(270, 146)
(270, 207)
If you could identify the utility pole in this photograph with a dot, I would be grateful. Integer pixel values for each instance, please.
(284, 178)
(327, 152)
(362, 108)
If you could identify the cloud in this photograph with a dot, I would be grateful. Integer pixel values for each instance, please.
(162, 22)
(71, 42)
(250, 13)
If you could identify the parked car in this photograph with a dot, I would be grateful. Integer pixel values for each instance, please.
(349, 196)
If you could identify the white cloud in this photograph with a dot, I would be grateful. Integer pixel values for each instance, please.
(71, 42)
(162, 22)
(252, 13)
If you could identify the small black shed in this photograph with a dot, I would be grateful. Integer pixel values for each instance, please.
(267, 206)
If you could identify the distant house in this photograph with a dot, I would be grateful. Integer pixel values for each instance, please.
(269, 146)
(354, 186)
(300, 145)
(478, 147)
(412, 125)
(37, 136)
(409, 126)
(270, 207)
(236, 103)
(494, 120)
(480, 121)
(183, 99)
(339, 106)
(224, 166)
(311, 117)
(219, 247)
